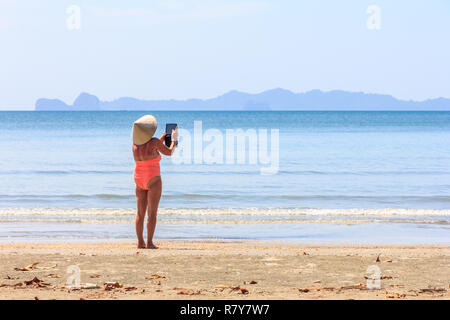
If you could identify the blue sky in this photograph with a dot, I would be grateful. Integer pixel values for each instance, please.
(161, 49)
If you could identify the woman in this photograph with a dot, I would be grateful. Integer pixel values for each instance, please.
(146, 153)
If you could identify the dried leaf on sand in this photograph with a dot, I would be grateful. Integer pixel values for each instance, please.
(394, 295)
(433, 290)
(130, 288)
(244, 291)
(155, 276)
(37, 298)
(359, 286)
(27, 268)
(112, 285)
(35, 282)
(240, 289)
(381, 278)
(188, 292)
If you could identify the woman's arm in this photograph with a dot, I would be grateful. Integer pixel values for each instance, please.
(168, 151)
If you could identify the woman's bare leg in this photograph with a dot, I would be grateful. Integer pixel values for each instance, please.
(141, 199)
(154, 195)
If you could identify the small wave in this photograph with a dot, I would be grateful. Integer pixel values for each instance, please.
(237, 197)
(66, 172)
(278, 220)
(229, 170)
(67, 196)
(193, 196)
(231, 212)
(359, 173)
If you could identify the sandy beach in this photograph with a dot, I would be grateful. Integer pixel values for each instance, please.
(223, 270)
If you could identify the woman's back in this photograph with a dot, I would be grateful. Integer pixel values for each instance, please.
(147, 151)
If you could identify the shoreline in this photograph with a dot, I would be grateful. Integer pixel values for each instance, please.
(224, 270)
(342, 233)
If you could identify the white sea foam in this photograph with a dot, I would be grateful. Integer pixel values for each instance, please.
(228, 212)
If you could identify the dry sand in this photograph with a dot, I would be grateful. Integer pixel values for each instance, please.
(216, 270)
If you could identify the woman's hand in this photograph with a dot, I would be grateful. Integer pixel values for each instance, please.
(174, 136)
(165, 150)
(163, 137)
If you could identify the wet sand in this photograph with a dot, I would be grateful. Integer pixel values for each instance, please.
(223, 270)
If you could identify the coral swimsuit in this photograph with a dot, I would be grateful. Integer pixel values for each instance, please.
(145, 170)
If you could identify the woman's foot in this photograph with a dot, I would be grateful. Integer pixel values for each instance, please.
(141, 245)
(151, 246)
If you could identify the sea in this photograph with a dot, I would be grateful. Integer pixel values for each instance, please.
(304, 177)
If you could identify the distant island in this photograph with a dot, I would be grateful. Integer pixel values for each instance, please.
(275, 100)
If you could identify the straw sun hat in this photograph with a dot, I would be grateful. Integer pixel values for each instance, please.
(143, 129)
